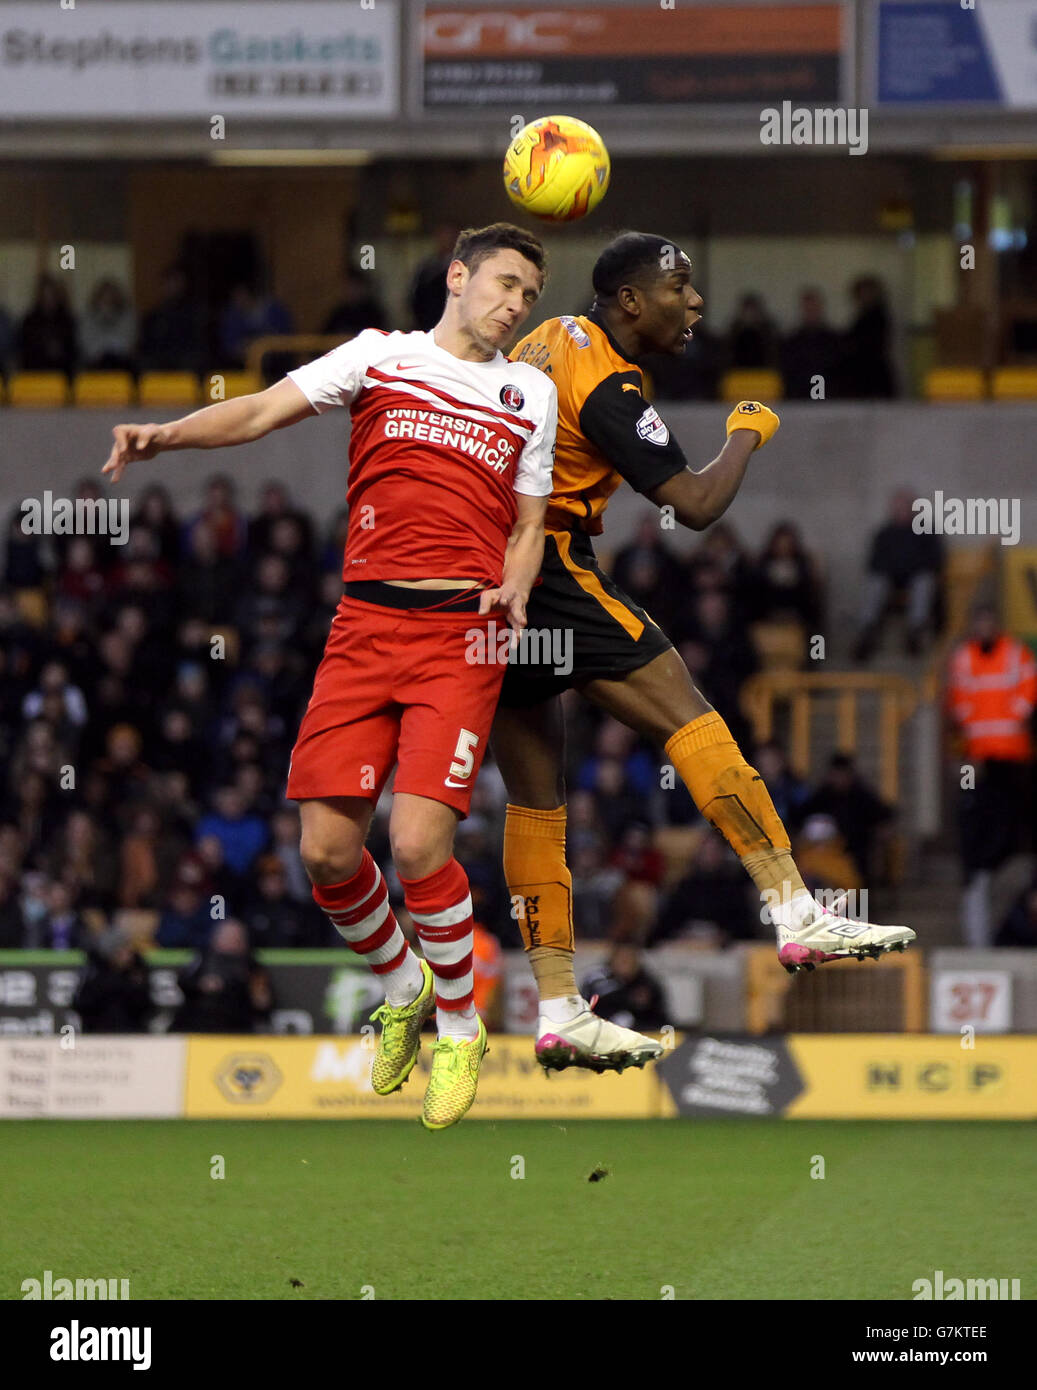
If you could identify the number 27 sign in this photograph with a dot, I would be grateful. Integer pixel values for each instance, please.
(979, 998)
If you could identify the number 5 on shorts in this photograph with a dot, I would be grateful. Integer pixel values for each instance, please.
(464, 754)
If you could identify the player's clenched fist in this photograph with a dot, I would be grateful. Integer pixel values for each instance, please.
(132, 443)
(751, 415)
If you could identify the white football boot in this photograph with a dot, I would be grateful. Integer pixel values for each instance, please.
(817, 934)
(592, 1042)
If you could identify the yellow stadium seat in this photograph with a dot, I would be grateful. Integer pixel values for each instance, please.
(1014, 384)
(782, 646)
(168, 388)
(747, 384)
(102, 388)
(38, 388)
(224, 386)
(955, 384)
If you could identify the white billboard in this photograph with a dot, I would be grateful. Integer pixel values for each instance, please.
(137, 60)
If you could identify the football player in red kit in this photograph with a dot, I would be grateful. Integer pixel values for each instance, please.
(450, 467)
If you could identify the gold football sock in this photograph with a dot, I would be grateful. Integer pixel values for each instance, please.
(539, 880)
(732, 797)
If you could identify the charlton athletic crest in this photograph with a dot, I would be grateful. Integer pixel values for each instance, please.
(512, 397)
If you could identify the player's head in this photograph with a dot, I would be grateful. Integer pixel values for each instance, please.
(494, 279)
(642, 283)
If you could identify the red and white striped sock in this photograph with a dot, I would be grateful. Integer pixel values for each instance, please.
(441, 906)
(359, 911)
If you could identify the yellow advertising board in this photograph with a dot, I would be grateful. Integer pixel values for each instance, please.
(896, 1076)
(329, 1078)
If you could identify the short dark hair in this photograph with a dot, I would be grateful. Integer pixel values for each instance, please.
(632, 258)
(475, 244)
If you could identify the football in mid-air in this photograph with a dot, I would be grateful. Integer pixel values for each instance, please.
(557, 168)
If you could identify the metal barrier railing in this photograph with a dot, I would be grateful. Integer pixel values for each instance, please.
(803, 692)
(290, 342)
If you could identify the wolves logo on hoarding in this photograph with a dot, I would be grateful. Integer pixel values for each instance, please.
(512, 397)
(650, 427)
(250, 1077)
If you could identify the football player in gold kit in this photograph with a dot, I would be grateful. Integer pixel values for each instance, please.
(608, 433)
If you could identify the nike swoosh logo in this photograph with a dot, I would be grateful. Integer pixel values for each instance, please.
(404, 366)
(448, 783)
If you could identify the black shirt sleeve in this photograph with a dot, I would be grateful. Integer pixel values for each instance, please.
(627, 429)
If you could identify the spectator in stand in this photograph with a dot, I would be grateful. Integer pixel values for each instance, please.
(12, 919)
(628, 994)
(722, 562)
(649, 572)
(823, 858)
(155, 514)
(225, 521)
(720, 657)
(866, 372)
(270, 599)
(786, 587)
(902, 561)
(274, 918)
(428, 288)
(147, 859)
(284, 829)
(26, 561)
(595, 885)
(359, 306)
(712, 901)
(179, 747)
(186, 920)
(80, 577)
(108, 330)
(752, 337)
(219, 878)
(225, 990)
(54, 681)
(274, 507)
(862, 817)
(207, 580)
(243, 836)
(61, 927)
(249, 315)
(85, 856)
(173, 334)
(1019, 929)
(811, 351)
(126, 774)
(114, 994)
(47, 333)
(788, 792)
(991, 695)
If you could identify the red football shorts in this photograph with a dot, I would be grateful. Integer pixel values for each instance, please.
(394, 686)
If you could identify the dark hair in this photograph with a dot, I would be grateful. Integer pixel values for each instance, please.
(475, 244)
(632, 258)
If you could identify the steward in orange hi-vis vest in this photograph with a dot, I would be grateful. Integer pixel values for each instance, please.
(991, 693)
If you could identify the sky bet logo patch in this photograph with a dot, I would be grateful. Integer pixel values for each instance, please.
(650, 427)
(512, 397)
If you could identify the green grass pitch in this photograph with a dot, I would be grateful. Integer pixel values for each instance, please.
(712, 1209)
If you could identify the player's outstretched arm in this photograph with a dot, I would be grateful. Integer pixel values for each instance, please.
(699, 499)
(238, 421)
(522, 561)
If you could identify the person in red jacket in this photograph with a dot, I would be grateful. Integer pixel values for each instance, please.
(991, 694)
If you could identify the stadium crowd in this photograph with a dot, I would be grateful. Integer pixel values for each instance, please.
(150, 694)
(186, 331)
